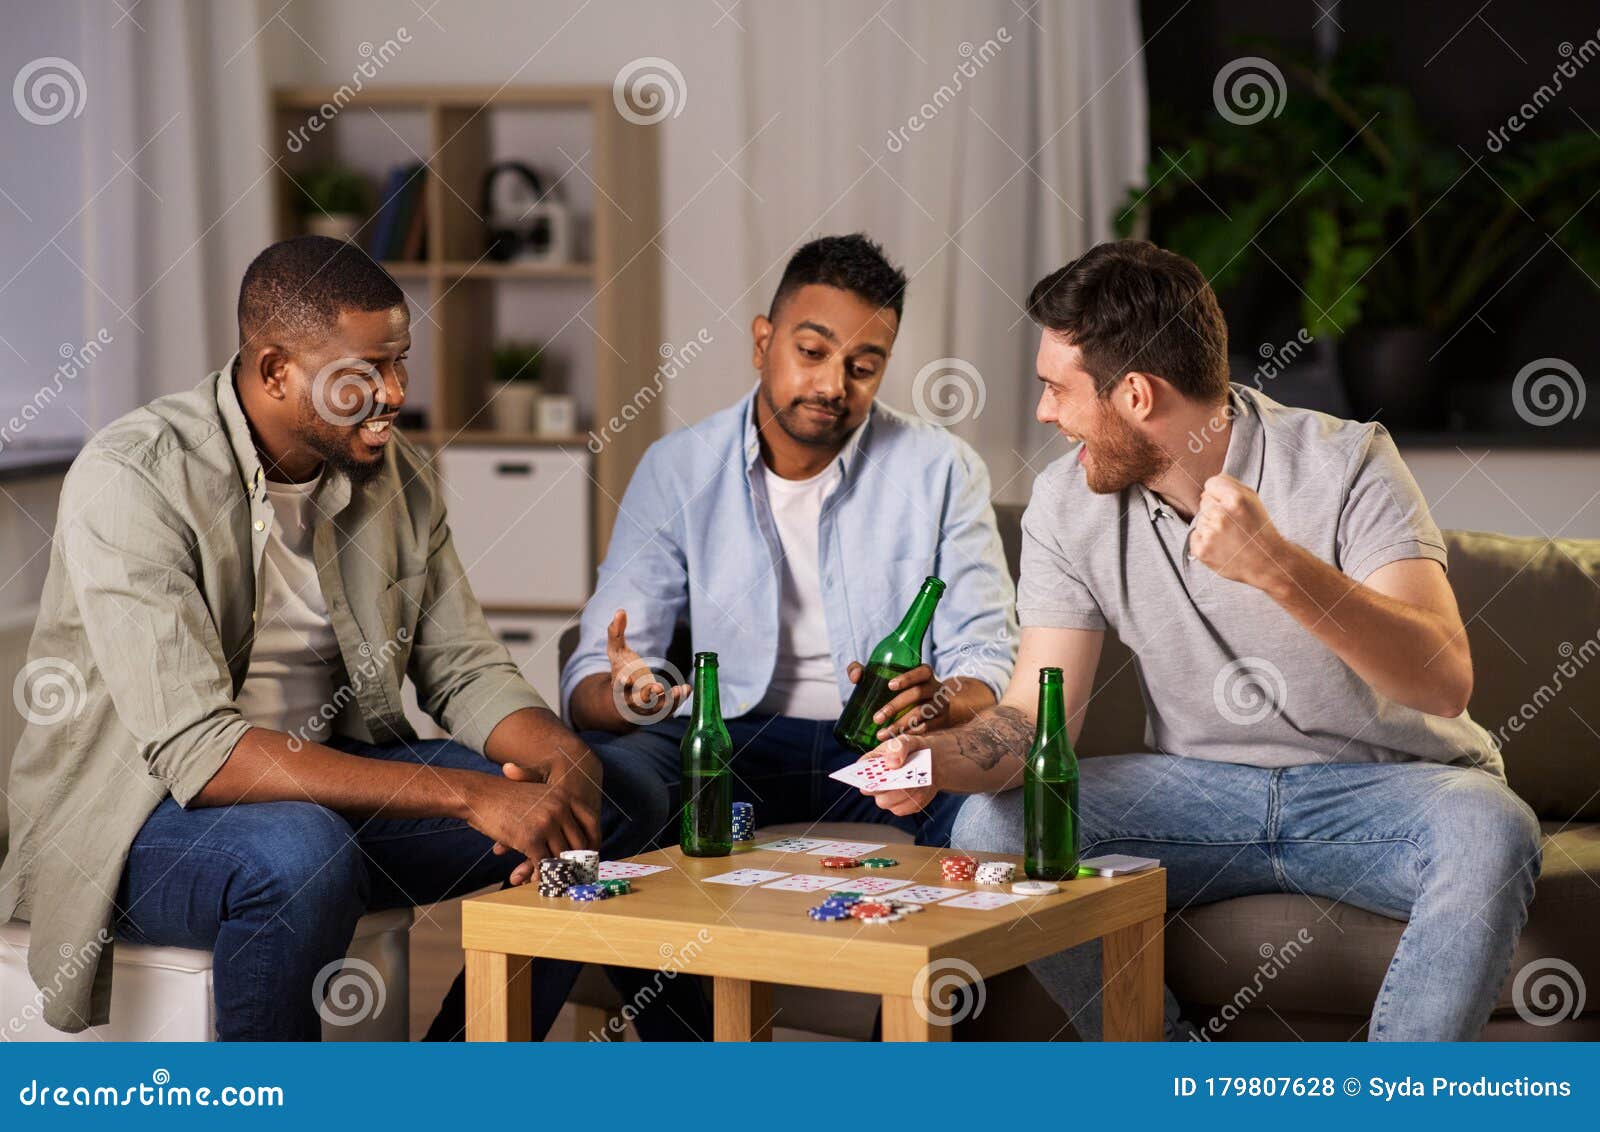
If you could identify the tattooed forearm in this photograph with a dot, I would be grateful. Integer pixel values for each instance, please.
(996, 734)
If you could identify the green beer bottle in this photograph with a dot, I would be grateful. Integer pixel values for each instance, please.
(1050, 789)
(898, 653)
(706, 827)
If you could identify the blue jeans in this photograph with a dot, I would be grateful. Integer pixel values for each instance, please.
(1451, 850)
(780, 765)
(274, 890)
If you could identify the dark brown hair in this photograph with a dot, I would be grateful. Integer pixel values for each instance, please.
(1130, 306)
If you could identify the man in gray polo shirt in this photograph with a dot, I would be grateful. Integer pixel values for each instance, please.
(1304, 665)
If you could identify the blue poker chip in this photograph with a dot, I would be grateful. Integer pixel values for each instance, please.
(828, 912)
(587, 892)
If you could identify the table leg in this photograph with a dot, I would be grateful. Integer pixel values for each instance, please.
(1132, 970)
(499, 997)
(903, 1022)
(742, 1010)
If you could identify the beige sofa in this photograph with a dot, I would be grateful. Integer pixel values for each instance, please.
(1531, 606)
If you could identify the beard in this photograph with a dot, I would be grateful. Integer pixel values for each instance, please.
(1121, 455)
(814, 432)
(335, 443)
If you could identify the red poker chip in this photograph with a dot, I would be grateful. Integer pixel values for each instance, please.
(840, 862)
(868, 908)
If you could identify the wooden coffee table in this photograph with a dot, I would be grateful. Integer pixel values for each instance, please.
(748, 939)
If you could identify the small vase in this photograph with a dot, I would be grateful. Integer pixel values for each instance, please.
(337, 226)
(512, 408)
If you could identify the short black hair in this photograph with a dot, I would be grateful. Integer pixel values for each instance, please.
(1130, 306)
(297, 289)
(851, 263)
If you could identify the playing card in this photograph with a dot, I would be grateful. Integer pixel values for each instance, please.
(843, 848)
(793, 844)
(873, 776)
(744, 878)
(868, 886)
(983, 901)
(801, 882)
(926, 893)
(610, 870)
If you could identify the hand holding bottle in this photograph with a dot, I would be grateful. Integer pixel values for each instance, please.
(921, 702)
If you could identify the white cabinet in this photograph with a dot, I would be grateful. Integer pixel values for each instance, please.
(520, 517)
(533, 642)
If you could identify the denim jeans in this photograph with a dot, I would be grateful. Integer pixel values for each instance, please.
(780, 765)
(1451, 850)
(274, 890)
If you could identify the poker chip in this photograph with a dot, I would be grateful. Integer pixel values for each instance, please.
(869, 908)
(617, 886)
(958, 867)
(1035, 888)
(845, 897)
(826, 911)
(744, 821)
(587, 892)
(557, 875)
(585, 862)
(552, 890)
(880, 862)
(840, 863)
(995, 872)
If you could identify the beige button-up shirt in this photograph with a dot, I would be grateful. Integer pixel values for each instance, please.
(145, 630)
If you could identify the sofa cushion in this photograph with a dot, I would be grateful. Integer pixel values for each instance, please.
(1250, 950)
(1532, 610)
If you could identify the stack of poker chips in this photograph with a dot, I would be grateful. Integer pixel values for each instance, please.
(853, 906)
(602, 890)
(840, 863)
(744, 821)
(557, 875)
(996, 872)
(587, 862)
(958, 867)
(879, 862)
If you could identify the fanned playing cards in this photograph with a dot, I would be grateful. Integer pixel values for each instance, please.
(872, 775)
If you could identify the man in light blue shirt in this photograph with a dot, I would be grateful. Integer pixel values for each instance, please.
(790, 532)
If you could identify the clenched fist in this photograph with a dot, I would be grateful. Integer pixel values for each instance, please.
(1233, 535)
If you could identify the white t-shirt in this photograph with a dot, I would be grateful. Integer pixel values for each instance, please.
(803, 681)
(289, 685)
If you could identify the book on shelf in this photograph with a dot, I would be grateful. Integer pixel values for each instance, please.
(399, 232)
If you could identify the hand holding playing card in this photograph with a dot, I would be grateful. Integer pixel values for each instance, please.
(892, 756)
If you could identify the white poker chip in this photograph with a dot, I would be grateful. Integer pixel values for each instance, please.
(1035, 888)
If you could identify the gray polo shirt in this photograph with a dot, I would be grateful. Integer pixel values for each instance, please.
(1226, 674)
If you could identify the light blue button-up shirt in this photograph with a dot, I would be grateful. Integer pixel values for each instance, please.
(695, 541)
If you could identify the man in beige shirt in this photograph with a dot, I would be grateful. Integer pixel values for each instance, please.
(241, 578)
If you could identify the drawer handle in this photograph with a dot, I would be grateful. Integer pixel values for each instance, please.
(516, 636)
(521, 469)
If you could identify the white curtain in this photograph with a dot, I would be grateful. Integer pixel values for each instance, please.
(983, 143)
(177, 91)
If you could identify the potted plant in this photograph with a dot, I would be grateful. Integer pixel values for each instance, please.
(334, 202)
(1341, 201)
(517, 368)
